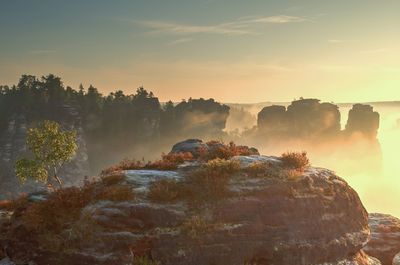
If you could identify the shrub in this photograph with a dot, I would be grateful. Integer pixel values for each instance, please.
(113, 179)
(165, 191)
(177, 158)
(83, 232)
(167, 162)
(295, 160)
(60, 209)
(258, 169)
(218, 149)
(143, 260)
(196, 226)
(115, 193)
(125, 164)
(290, 174)
(211, 181)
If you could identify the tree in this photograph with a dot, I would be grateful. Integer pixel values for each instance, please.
(51, 147)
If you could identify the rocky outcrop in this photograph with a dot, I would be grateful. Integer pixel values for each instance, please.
(280, 217)
(199, 148)
(363, 120)
(385, 237)
(193, 146)
(303, 118)
(199, 118)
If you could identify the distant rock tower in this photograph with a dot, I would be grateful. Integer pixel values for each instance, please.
(364, 120)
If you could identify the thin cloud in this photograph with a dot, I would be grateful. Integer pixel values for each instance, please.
(179, 41)
(280, 19)
(237, 27)
(338, 41)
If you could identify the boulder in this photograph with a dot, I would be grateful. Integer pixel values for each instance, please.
(385, 237)
(193, 146)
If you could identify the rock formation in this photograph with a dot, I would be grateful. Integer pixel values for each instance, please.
(363, 120)
(277, 216)
(385, 237)
(199, 118)
(303, 119)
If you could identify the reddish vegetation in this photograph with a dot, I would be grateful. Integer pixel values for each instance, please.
(295, 160)
(167, 162)
(46, 221)
(218, 149)
(210, 182)
(165, 191)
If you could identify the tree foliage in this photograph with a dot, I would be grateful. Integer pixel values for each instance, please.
(51, 148)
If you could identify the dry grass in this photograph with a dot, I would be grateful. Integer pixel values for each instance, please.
(60, 209)
(167, 162)
(258, 169)
(143, 260)
(218, 149)
(113, 179)
(57, 222)
(295, 160)
(165, 191)
(115, 193)
(196, 226)
(211, 181)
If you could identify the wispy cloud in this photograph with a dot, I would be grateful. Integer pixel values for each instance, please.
(338, 41)
(244, 26)
(179, 41)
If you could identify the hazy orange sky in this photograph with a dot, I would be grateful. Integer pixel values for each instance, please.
(232, 50)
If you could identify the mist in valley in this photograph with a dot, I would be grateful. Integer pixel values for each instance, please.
(372, 169)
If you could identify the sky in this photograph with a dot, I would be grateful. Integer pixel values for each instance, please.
(230, 50)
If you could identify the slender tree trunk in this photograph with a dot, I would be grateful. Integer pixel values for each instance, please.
(57, 178)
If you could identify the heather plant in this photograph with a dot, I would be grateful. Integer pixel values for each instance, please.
(295, 160)
(165, 191)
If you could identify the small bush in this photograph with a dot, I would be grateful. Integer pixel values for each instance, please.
(143, 260)
(115, 193)
(177, 158)
(211, 181)
(295, 160)
(113, 179)
(290, 174)
(258, 169)
(60, 209)
(165, 191)
(225, 151)
(196, 226)
(167, 162)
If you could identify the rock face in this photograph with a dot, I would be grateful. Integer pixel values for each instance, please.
(363, 119)
(276, 222)
(302, 119)
(385, 237)
(309, 218)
